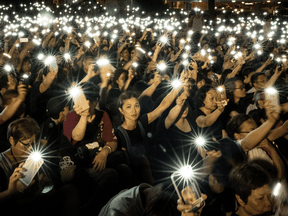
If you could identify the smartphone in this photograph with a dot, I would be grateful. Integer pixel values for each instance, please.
(148, 29)
(193, 186)
(221, 95)
(24, 40)
(31, 166)
(25, 80)
(272, 95)
(81, 100)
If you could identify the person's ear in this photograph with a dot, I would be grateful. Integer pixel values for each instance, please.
(11, 140)
(240, 201)
(237, 136)
(121, 111)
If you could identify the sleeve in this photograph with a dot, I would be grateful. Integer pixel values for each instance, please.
(108, 130)
(144, 121)
(69, 124)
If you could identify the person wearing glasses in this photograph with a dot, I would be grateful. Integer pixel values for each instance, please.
(23, 135)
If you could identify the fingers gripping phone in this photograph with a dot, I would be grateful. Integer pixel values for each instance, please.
(191, 192)
(272, 95)
(221, 95)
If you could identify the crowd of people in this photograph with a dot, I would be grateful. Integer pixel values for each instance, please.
(116, 103)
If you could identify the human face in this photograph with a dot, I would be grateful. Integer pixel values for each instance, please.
(240, 90)
(126, 55)
(210, 100)
(200, 84)
(245, 128)
(133, 52)
(22, 148)
(26, 66)
(121, 81)
(259, 202)
(130, 109)
(260, 83)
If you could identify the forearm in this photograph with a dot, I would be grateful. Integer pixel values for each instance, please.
(47, 82)
(78, 132)
(272, 80)
(10, 110)
(6, 47)
(260, 69)
(45, 42)
(149, 91)
(127, 83)
(278, 163)
(5, 195)
(155, 56)
(277, 133)
(103, 96)
(172, 116)
(256, 136)
(206, 121)
(235, 71)
(127, 65)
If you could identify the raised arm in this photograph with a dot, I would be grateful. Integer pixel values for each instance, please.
(175, 111)
(273, 78)
(44, 86)
(12, 108)
(257, 135)
(151, 89)
(78, 132)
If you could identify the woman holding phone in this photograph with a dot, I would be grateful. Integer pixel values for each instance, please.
(132, 134)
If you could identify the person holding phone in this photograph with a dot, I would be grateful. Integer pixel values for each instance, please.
(23, 135)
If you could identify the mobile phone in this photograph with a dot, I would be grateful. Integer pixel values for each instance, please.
(31, 165)
(272, 95)
(221, 95)
(81, 100)
(192, 184)
(148, 29)
(24, 40)
(25, 79)
(53, 63)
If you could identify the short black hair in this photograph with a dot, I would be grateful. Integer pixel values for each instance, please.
(247, 177)
(54, 106)
(23, 128)
(116, 76)
(255, 76)
(246, 71)
(90, 91)
(233, 126)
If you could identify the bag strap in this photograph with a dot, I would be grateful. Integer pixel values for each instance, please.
(125, 134)
(142, 130)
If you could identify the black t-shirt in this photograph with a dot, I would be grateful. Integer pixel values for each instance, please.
(241, 106)
(215, 130)
(38, 101)
(134, 135)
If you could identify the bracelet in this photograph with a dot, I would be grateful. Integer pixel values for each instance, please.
(110, 149)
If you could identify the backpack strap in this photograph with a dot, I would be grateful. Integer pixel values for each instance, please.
(126, 136)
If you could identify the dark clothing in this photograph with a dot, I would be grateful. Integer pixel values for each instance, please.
(215, 130)
(126, 203)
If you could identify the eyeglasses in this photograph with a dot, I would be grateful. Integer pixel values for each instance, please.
(241, 87)
(26, 145)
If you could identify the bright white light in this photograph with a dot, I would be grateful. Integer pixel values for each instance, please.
(257, 46)
(67, 56)
(8, 68)
(200, 141)
(276, 189)
(162, 66)
(163, 39)
(25, 76)
(75, 91)
(220, 89)
(135, 64)
(103, 61)
(36, 156)
(87, 44)
(271, 90)
(176, 83)
(186, 172)
(41, 56)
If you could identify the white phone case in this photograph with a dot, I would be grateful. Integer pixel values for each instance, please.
(31, 168)
(274, 98)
